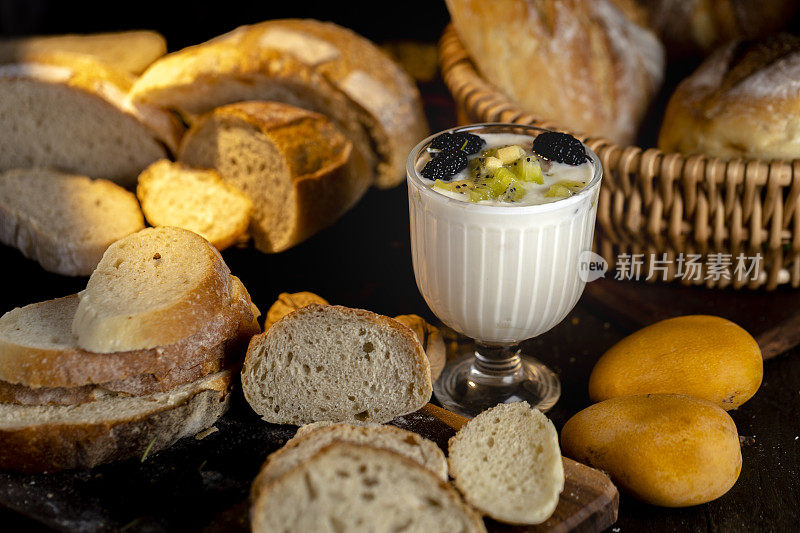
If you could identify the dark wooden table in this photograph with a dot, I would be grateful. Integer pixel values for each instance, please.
(365, 261)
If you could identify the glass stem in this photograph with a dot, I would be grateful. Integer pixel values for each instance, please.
(497, 359)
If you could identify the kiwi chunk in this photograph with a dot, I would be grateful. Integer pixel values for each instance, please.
(529, 169)
(564, 189)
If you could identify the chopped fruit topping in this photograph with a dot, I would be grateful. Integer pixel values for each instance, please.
(464, 142)
(528, 169)
(445, 165)
(559, 147)
(509, 154)
(490, 164)
(564, 189)
(503, 185)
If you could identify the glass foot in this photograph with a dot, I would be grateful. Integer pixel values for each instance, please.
(472, 384)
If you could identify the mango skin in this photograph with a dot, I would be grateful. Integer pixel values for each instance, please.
(703, 356)
(665, 449)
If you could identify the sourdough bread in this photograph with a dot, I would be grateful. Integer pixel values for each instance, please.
(49, 438)
(507, 463)
(64, 222)
(131, 51)
(72, 113)
(294, 165)
(173, 194)
(334, 363)
(152, 288)
(347, 487)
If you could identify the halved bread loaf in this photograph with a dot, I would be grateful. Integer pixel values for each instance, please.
(131, 51)
(304, 446)
(40, 361)
(72, 113)
(152, 288)
(347, 487)
(64, 222)
(173, 194)
(293, 164)
(334, 363)
(48, 438)
(507, 463)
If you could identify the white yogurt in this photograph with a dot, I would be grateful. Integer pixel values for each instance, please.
(496, 273)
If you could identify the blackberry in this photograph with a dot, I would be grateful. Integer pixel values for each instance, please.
(445, 165)
(465, 142)
(559, 147)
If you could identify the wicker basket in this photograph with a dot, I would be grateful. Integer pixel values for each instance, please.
(663, 209)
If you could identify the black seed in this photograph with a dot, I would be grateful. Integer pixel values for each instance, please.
(445, 165)
(560, 147)
(464, 142)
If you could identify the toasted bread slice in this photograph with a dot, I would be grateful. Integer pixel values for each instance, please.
(335, 363)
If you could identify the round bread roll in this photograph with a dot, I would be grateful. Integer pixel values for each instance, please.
(743, 101)
(691, 27)
(590, 66)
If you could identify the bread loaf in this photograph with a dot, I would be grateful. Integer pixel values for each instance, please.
(334, 363)
(173, 194)
(62, 221)
(72, 113)
(743, 101)
(589, 66)
(294, 165)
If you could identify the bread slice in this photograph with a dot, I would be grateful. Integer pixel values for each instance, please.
(507, 463)
(64, 222)
(173, 194)
(304, 446)
(288, 302)
(72, 113)
(347, 487)
(39, 353)
(131, 51)
(293, 164)
(49, 438)
(390, 102)
(152, 288)
(335, 363)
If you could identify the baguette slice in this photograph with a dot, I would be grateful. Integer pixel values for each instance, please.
(293, 164)
(152, 288)
(507, 463)
(131, 51)
(173, 194)
(304, 446)
(64, 222)
(348, 487)
(72, 113)
(48, 438)
(335, 363)
(39, 353)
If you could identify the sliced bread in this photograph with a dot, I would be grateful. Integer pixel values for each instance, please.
(39, 354)
(64, 222)
(304, 446)
(72, 113)
(173, 194)
(131, 51)
(507, 463)
(391, 104)
(348, 487)
(335, 363)
(49, 438)
(152, 288)
(294, 165)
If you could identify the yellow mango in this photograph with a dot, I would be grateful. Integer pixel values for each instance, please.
(703, 356)
(665, 449)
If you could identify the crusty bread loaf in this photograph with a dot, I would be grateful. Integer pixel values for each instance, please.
(152, 288)
(131, 51)
(743, 101)
(346, 487)
(62, 221)
(39, 352)
(390, 100)
(199, 200)
(72, 113)
(304, 446)
(507, 463)
(48, 438)
(590, 66)
(293, 164)
(334, 363)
